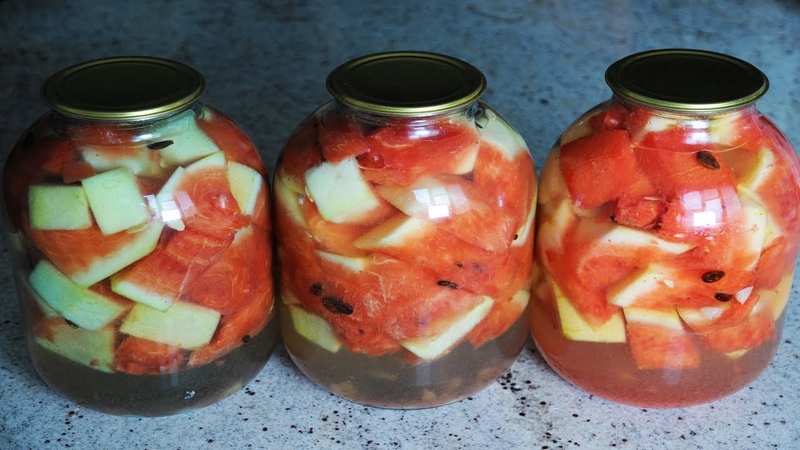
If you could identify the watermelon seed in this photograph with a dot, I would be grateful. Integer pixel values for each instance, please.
(707, 160)
(246, 338)
(712, 276)
(336, 305)
(72, 324)
(446, 283)
(723, 297)
(159, 145)
(316, 289)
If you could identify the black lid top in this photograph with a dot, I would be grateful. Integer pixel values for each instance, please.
(686, 80)
(123, 89)
(406, 83)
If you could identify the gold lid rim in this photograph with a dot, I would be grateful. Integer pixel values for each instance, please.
(362, 83)
(75, 91)
(744, 83)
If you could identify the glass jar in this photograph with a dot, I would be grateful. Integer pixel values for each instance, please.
(139, 225)
(667, 234)
(404, 209)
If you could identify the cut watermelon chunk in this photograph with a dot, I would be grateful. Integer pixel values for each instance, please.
(214, 210)
(228, 136)
(235, 275)
(138, 356)
(575, 327)
(340, 192)
(455, 204)
(301, 153)
(183, 325)
(755, 330)
(658, 340)
(158, 279)
(455, 261)
(503, 314)
(341, 136)
(88, 256)
(401, 152)
(92, 348)
(597, 168)
(83, 307)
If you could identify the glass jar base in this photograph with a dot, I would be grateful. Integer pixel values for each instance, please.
(391, 382)
(586, 365)
(156, 395)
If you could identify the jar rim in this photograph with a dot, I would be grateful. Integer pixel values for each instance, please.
(123, 88)
(686, 80)
(406, 83)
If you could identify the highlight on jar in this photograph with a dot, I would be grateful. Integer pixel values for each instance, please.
(405, 246)
(142, 257)
(666, 241)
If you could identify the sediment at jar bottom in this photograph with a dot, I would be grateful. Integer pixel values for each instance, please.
(156, 395)
(609, 370)
(390, 381)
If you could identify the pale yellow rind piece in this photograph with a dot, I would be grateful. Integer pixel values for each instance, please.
(115, 200)
(105, 266)
(576, 328)
(641, 284)
(93, 349)
(189, 142)
(666, 318)
(430, 347)
(314, 328)
(58, 208)
(185, 325)
(497, 131)
(339, 190)
(81, 306)
(245, 183)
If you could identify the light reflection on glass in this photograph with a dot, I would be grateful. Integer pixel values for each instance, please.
(442, 201)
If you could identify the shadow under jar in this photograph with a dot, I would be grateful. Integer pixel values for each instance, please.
(667, 233)
(138, 219)
(404, 214)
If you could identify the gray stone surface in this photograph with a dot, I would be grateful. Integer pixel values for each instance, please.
(266, 62)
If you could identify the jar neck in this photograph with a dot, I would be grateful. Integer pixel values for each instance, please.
(472, 110)
(121, 131)
(682, 115)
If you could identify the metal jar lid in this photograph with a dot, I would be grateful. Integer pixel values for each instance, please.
(685, 80)
(406, 83)
(123, 89)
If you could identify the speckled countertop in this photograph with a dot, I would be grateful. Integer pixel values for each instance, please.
(265, 62)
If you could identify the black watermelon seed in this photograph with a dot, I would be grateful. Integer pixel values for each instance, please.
(723, 297)
(160, 144)
(707, 160)
(336, 305)
(712, 276)
(446, 283)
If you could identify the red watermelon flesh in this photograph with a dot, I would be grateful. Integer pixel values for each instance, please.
(229, 137)
(238, 272)
(597, 168)
(341, 136)
(301, 153)
(655, 346)
(402, 152)
(756, 329)
(214, 210)
(139, 356)
(506, 183)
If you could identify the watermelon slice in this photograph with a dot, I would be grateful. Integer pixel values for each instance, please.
(230, 138)
(755, 330)
(658, 340)
(502, 315)
(403, 151)
(138, 356)
(457, 206)
(213, 209)
(597, 168)
(92, 348)
(158, 279)
(341, 136)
